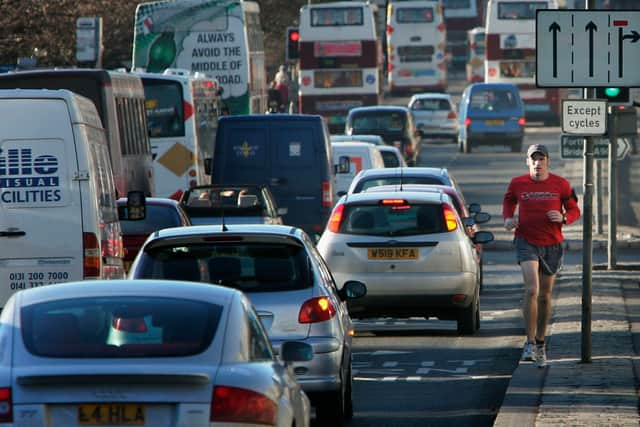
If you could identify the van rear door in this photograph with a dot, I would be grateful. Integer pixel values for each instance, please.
(40, 210)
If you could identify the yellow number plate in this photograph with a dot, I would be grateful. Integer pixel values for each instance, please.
(393, 253)
(494, 122)
(104, 414)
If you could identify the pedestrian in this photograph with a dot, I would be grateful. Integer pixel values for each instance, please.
(545, 202)
(282, 84)
(274, 99)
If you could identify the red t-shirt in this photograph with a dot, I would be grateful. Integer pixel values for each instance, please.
(534, 199)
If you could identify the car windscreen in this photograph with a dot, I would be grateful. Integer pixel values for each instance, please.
(488, 100)
(378, 121)
(396, 180)
(157, 218)
(119, 327)
(247, 266)
(403, 219)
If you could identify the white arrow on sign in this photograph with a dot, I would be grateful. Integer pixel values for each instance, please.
(623, 148)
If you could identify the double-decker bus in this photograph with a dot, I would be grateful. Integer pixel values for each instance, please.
(182, 117)
(460, 16)
(340, 60)
(476, 38)
(416, 42)
(511, 55)
(221, 38)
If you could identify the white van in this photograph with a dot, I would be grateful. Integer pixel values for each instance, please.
(58, 215)
(362, 155)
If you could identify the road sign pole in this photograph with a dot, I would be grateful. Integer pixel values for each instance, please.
(612, 253)
(599, 198)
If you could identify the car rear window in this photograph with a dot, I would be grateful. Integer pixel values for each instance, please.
(396, 180)
(493, 100)
(393, 220)
(431, 105)
(157, 218)
(119, 327)
(248, 266)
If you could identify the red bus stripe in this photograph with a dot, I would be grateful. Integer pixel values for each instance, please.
(620, 23)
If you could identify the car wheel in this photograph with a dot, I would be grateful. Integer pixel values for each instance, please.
(332, 408)
(466, 146)
(469, 319)
(348, 410)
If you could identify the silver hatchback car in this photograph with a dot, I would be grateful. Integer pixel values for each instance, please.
(412, 250)
(288, 282)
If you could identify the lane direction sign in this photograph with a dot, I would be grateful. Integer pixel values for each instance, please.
(572, 147)
(589, 48)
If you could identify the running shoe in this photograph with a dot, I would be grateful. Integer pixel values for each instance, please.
(540, 356)
(527, 352)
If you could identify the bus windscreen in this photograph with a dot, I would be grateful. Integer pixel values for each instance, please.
(408, 15)
(519, 10)
(163, 104)
(336, 16)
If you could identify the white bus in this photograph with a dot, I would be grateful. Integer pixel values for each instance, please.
(221, 38)
(340, 60)
(511, 55)
(182, 117)
(476, 38)
(416, 47)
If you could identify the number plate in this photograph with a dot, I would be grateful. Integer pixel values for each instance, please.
(494, 122)
(105, 414)
(393, 253)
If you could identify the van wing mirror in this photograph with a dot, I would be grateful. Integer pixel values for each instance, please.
(136, 207)
(344, 165)
(208, 166)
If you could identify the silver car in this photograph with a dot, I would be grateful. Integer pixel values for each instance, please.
(368, 178)
(412, 250)
(288, 282)
(435, 116)
(146, 353)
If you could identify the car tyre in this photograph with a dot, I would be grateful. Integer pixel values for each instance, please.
(335, 407)
(466, 145)
(469, 319)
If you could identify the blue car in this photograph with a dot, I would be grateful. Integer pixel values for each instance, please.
(490, 114)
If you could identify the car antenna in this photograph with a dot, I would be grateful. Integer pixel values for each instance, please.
(223, 225)
(401, 170)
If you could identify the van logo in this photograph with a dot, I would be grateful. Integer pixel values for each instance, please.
(245, 150)
(27, 179)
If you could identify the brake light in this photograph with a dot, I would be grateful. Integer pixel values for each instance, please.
(492, 49)
(388, 202)
(450, 219)
(177, 195)
(6, 405)
(389, 29)
(467, 121)
(316, 310)
(521, 121)
(238, 405)
(451, 115)
(336, 218)
(327, 197)
(91, 251)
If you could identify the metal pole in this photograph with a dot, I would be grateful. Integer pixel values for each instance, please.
(587, 237)
(612, 253)
(599, 204)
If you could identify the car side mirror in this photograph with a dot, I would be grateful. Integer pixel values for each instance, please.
(482, 217)
(344, 165)
(136, 208)
(483, 237)
(475, 208)
(295, 351)
(208, 166)
(352, 289)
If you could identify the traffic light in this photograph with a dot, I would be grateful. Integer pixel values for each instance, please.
(293, 37)
(614, 95)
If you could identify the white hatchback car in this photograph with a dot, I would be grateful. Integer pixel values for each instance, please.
(435, 115)
(413, 252)
(143, 353)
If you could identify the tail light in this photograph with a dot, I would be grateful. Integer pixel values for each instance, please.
(492, 49)
(238, 405)
(450, 219)
(92, 256)
(467, 121)
(177, 195)
(316, 310)
(393, 202)
(6, 405)
(451, 115)
(336, 218)
(522, 121)
(441, 27)
(389, 66)
(327, 197)
(188, 110)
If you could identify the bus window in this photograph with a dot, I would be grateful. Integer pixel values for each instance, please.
(519, 10)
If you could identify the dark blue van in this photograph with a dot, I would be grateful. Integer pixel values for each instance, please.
(290, 153)
(491, 114)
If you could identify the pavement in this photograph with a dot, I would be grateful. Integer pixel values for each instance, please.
(592, 378)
